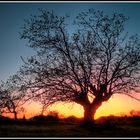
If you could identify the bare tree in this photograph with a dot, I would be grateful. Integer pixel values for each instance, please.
(86, 67)
(1, 102)
(12, 98)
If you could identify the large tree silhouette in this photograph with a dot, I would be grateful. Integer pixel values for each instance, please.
(86, 67)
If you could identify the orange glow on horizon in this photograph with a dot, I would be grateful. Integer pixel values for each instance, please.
(116, 105)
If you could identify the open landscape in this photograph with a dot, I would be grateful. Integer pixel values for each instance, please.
(69, 69)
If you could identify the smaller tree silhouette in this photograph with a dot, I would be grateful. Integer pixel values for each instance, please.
(12, 98)
(1, 102)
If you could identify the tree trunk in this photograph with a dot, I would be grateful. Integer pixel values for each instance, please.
(15, 115)
(89, 113)
(88, 116)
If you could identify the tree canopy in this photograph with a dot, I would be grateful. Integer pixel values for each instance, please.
(98, 60)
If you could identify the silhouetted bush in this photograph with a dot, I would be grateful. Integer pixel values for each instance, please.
(72, 119)
(52, 116)
(2, 118)
(135, 113)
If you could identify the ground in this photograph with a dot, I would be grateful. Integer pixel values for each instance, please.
(70, 129)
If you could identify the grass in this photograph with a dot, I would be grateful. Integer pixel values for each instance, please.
(68, 129)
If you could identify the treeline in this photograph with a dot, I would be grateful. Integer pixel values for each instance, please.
(53, 117)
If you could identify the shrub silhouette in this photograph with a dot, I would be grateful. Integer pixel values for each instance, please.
(3, 118)
(52, 116)
(72, 119)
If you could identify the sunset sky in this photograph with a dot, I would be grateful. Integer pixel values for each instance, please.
(12, 17)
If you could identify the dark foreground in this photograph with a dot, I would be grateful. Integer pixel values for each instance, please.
(103, 128)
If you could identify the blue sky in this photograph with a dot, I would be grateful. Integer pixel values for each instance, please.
(12, 17)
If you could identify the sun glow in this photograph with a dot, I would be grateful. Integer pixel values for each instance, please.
(116, 105)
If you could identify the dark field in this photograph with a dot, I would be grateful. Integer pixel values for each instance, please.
(105, 127)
